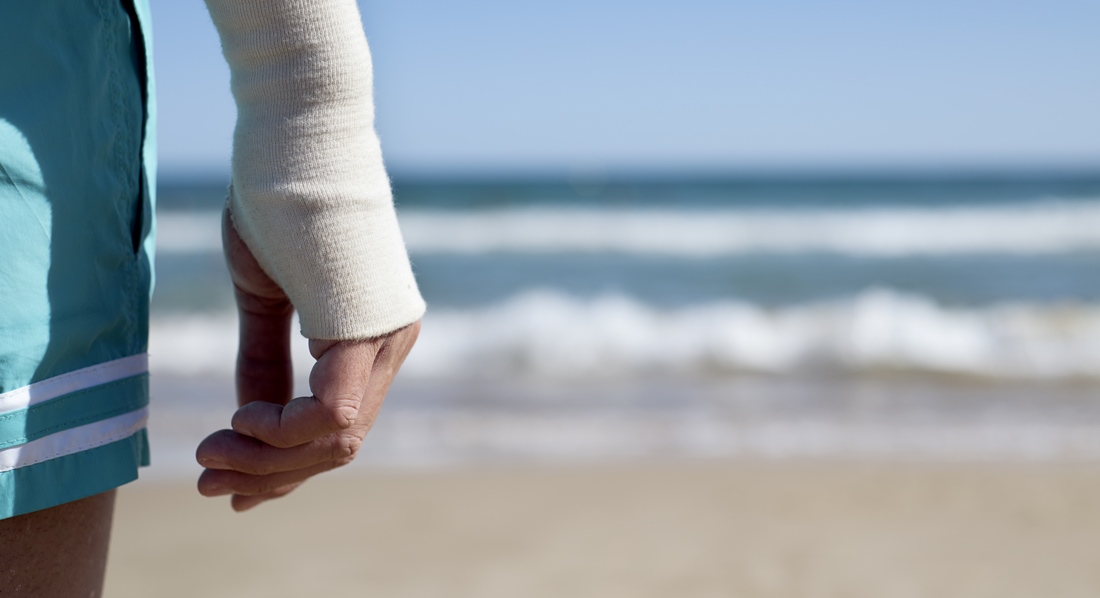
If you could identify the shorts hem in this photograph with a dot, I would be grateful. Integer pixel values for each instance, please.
(72, 477)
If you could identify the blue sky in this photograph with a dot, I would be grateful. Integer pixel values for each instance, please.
(488, 86)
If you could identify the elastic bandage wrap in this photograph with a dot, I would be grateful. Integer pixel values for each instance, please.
(309, 193)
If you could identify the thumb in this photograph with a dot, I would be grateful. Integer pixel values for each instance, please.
(264, 371)
(341, 377)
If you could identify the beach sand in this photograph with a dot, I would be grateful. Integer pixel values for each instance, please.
(738, 528)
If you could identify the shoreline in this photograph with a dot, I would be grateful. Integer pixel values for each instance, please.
(432, 424)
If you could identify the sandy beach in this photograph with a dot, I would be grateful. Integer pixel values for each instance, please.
(730, 528)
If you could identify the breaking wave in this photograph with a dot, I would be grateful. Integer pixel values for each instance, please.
(549, 334)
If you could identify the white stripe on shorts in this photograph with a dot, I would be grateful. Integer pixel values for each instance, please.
(51, 388)
(74, 440)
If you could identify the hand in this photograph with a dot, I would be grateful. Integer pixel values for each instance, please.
(277, 442)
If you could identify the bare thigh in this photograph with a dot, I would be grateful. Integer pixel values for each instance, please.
(58, 552)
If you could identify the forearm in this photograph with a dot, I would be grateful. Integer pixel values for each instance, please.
(310, 195)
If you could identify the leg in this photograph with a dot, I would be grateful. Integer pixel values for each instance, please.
(57, 552)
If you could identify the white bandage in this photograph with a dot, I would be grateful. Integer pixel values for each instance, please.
(310, 196)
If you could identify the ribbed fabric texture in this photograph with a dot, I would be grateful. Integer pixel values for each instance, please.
(309, 194)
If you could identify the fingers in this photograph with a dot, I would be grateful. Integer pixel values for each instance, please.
(223, 482)
(254, 472)
(274, 447)
(229, 450)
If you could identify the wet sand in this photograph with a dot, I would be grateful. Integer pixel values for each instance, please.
(743, 528)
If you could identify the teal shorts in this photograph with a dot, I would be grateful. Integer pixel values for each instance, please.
(77, 155)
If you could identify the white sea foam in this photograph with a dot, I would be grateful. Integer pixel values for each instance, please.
(884, 231)
(549, 334)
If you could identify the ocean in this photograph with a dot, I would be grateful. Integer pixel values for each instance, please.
(697, 317)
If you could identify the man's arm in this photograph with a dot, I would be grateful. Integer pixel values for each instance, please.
(309, 225)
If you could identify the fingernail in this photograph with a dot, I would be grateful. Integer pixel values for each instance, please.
(212, 463)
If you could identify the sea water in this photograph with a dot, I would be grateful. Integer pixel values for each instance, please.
(713, 315)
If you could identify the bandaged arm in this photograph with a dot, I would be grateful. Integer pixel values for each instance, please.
(309, 193)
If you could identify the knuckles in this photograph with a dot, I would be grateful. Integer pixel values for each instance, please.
(341, 412)
(345, 448)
